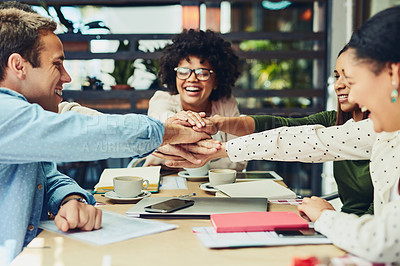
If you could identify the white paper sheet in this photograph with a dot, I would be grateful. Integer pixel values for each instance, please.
(212, 239)
(173, 182)
(257, 189)
(115, 227)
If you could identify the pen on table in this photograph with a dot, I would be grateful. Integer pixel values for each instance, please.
(98, 192)
(188, 195)
(103, 191)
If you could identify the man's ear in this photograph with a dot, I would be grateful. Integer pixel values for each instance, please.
(17, 65)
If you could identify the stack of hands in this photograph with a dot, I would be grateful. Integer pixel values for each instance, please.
(196, 147)
(191, 146)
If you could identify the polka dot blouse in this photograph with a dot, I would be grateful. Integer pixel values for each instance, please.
(310, 143)
(374, 237)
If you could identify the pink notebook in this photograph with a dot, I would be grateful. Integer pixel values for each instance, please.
(256, 221)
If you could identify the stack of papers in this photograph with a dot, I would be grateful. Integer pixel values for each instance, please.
(150, 173)
(212, 239)
(257, 221)
(257, 189)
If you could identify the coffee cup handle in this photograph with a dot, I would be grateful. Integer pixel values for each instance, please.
(145, 183)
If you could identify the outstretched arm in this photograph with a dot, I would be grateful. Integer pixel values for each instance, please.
(238, 126)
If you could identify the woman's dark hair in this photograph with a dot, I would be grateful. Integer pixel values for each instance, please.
(378, 39)
(342, 117)
(206, 45)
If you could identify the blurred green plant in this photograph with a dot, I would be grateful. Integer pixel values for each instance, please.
(152, 65)
(123, 69)
(278, 73)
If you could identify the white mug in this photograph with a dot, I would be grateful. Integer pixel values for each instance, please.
(129, 186)
(199, 171)
(221, 176)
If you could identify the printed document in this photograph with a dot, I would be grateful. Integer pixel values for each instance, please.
(115, 227)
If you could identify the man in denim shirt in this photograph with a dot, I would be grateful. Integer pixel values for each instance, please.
(34, 136)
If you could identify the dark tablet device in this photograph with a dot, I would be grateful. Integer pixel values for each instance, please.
(258, 175)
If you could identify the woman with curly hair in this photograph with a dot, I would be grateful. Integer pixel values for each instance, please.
(199, 69)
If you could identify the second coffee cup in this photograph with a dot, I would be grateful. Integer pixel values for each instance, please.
(129, 186)
(199, 171)
(221, 176)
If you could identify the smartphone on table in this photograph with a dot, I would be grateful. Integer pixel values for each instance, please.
(170, 205)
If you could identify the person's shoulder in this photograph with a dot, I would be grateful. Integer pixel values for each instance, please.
(163, 103)
(161, 94)
(227, 100)
(11, 101)
(164, 96)
(226, 106)
(67, 106)
(329, 113)
(5, 92)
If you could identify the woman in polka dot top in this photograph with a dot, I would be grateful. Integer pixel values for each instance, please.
(373, 72)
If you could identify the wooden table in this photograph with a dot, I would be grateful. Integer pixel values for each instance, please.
(176, 247)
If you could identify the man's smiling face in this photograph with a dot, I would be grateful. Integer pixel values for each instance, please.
(46, 81)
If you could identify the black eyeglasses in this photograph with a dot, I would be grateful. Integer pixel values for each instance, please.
(202, 74)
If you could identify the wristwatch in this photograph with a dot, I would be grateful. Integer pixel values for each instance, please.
(78, 199)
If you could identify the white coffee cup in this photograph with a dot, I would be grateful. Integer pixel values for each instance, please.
(199, 171)
(221, 176)
(129, 186)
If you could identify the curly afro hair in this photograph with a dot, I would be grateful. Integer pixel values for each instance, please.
(206, 45)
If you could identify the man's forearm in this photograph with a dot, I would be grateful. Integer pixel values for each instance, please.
(168, 134)
(177, 134)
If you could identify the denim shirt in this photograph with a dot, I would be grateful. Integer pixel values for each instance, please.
(33, 139)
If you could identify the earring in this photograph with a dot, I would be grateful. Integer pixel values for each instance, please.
(394, 94)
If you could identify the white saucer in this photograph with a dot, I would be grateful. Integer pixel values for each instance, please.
(112, 195)
(186, 175)
(207, 187)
